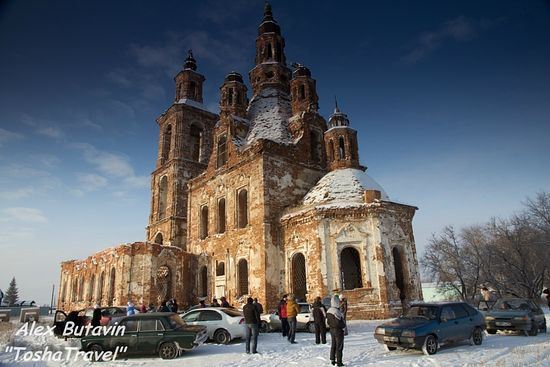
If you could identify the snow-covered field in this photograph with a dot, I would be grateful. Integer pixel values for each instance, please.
(361, 349)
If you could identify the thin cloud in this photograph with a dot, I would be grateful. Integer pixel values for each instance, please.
(459, 29)
(7, 136)
(91, 181)
(53, 132)
(25, 214)
(42, 127)
(17, 194)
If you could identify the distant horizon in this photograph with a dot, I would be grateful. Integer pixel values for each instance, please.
(450, 101)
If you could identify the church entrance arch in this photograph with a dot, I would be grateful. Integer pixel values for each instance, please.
(399, 273)
(350, 268)
(299, 282)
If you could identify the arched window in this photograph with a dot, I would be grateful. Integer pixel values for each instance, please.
(315, 146)
(166, 143)
(301, 92)
(100, 285)
(229, 96)
(278, 51)
(204, 221)
(91, 288)
(242, 208)
(341, 148)
(112, 287)
(158, 238)
(353, 148)
(196, 142)
(221, 215)
(74, 290)
(220, 269)
(192, 90)
(350, 268)
(81, 290)
(299, 282)
(242, 277)
(163, 197)
(204, 281)
(399, 273)
(222, 151)
(330, 152)
(269, 51)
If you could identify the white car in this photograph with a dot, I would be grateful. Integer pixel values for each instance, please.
(304, 320)
(222, 324)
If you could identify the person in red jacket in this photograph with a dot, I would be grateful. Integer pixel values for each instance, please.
(283, 316)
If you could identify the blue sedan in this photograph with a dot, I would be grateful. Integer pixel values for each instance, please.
(427, 326)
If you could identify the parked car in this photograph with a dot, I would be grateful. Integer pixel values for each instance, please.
(61, 318)
(427, 326)
(223, 324)
(271, 321)
(108, 314)
(515, 314)
(162, 333)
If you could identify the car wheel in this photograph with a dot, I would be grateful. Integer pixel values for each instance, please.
(310, 327)
(389, 348)
(477, 337)
(95, 349)
(430, 345)
(534, 329)
(168, 351)
(264, 328)
(491, 331)
(222, 337)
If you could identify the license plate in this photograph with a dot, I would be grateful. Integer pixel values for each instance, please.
(391, 339)
(500, 323)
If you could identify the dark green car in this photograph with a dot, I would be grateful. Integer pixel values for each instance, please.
(161, 333)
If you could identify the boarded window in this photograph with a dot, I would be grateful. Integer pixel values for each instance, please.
(341, 148)
(242, 208)
(221, 215)
(220, 269)
(242, 274)
(299, 282)
(166, 143)
(192, 90)
(163, 197)
(350, 268)
(222, 151)
(204, 222)
(204, 281)
(196, 142)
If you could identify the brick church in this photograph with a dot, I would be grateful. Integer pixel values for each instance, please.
(265, 198)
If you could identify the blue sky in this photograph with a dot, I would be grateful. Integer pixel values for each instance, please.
(451, 100)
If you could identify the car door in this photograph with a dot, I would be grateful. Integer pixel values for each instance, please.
(447, 327)
(192, 318)
(538, 313)
(129, 339)
(212, 320)
(151, 332)
(464, 324)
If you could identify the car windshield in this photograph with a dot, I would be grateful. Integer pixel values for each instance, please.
(512, 304)
(230, 312)
(424, 312)
(176, 322)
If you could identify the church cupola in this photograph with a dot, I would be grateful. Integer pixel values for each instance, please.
(303, 90)
(188, 81)
(270, 70)
(233, 100)
(341, 142)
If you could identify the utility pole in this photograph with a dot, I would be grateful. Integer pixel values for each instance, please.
(51, 302)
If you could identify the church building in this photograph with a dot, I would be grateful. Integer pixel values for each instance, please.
(264, 198)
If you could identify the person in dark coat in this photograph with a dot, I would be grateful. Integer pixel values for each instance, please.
(215, 303)
(175, 305)
(283, 316)
(163, 307)
(96, 317)
(336, 323)
(344, 309)
(224, 302)
(319, 316)
(258, 306)
(252, 321)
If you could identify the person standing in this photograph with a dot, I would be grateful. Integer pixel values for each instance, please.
(319, 316)
(175, 305)
(252, 321)
(292, 310)
(344, 309)
(224, 302)
(259, 306)
(215, 303)
(336, 323)
(131, 310)
(546, 294)
(283, 316)
(96, 317)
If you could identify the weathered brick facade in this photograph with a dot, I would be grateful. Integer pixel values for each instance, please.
(263, 199)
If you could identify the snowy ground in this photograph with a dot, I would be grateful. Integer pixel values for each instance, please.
(361, 349)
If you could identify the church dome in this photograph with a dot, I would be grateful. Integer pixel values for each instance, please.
(343, 186)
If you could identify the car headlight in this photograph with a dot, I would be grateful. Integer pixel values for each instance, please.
(380, 330)
(489, 318)
(408, 333)
(522, 318)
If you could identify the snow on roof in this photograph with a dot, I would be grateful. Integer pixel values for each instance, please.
(343, 187)
(268, 113)
(193, 103)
